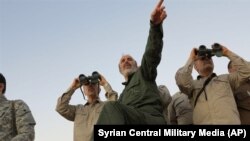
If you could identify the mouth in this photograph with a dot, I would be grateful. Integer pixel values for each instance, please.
(91, 89)
(127, 66)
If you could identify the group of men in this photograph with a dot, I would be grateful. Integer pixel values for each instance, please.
(213, 99)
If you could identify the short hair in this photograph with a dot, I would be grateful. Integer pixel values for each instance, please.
(122, 57)
(3, 80)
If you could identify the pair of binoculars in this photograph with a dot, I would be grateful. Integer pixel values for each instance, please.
(203, 51)
(93, 79)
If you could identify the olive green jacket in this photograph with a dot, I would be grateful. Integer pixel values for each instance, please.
(141, 91)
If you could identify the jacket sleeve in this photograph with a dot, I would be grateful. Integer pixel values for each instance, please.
(184, 79)
(110, 94)
(171, 114)
(243, 71)
(63, 107)
(152, 54)
(25, 122)
(183, 110)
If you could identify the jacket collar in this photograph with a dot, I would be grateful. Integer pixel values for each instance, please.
(129, 78)
(2, 98)
(96, 101)
(200, 77)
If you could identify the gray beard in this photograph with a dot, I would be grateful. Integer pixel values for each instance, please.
(128, 72)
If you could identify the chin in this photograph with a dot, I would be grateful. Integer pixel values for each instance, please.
(128, 72)
(210, 69)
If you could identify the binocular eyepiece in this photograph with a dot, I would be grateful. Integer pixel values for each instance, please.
(203, 51)
(93, 79)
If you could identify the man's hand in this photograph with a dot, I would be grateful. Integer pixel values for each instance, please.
(75, 84)
(193, 55)
(225, 50)
(102, 81)
(159, 13)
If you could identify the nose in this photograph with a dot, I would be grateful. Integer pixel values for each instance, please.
(124, 62)
(206, 57)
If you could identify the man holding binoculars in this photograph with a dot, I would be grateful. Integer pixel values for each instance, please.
(85, 116)
(211, 95)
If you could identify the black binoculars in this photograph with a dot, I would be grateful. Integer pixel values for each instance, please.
(93, 79)
(203, 51)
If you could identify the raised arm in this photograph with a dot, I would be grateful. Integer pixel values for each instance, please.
(110, 94)
(243, 68)
(152, 55)
(183, 77)
(63, 107)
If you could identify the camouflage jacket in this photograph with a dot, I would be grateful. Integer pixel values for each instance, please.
(16, 121)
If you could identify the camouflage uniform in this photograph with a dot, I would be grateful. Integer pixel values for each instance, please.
(24, 121)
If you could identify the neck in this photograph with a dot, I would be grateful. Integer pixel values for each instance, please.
(206, 73)
(91, 100)
(126, 78)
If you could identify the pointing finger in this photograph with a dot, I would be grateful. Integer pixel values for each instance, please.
(159, 4)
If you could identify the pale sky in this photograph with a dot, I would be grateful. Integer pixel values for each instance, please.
(45, 44)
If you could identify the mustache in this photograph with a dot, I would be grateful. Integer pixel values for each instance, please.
(127, 64)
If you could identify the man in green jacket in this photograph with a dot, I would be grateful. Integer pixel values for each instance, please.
(140, 103)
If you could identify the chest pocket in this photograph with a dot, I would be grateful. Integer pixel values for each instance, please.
(133, 83)
(133, 90)
(201, 98)
(221, 88)
(81, 115)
